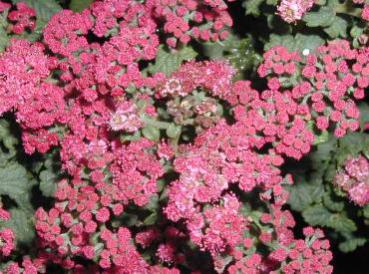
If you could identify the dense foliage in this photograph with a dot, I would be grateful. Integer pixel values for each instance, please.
(192, 136)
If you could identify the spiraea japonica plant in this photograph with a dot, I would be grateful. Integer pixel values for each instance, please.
(192, 136)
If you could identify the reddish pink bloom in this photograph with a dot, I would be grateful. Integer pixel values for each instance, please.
(353, 180)
(293, 10)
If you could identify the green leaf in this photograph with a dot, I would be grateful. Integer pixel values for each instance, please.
(321, 138)
(173, 131)
(352, 244)
(272, 2)
(323, 154)
(303, 194)
(252, 7)
(153, 204)
(356, 31)
(44, 10)
(364, 114)
(151, 133)
(352, 144)
(322, 18)
(151, 219)
(317, 215)
(331, 204)
(338, 28)
(9, 142)
(127, 219)
(15, 183)
(79, 5)
(48, 182)
(341, 223)
(21, 223)
(240, 52)
(4, 38)
(169, 60)
(305, 41)
(298, 43)
(366, 211)
(242, 55)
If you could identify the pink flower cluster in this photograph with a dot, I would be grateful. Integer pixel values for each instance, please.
(273, 117)
(325, 83)
(354, 179)
(92, 101)
(7, 235)
(204, 20)
(299, 256)
(7, 245)
(21, 19)
(213, 76)
(293, 10)
(192, 91)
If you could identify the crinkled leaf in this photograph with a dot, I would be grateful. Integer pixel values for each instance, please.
(151, 133)
(173, 131)
(352, 244)
(167, 61)
(9, 142)
(338, 28)
(242, 55)
(79, 5)
(151, 219)
(15, 183)
(321, 138)
(299, 42)
(342, 223)
(364, 114)
(323, 154)
(126, 219)
(356, 31)
(351, 145)
(322, 18)
(310, 42)
(365, 211)
(153, 204)
(252, 6)
(331, 204)
(272, 2)
(317, 215)
(48, 182)
(303, 194)
(4, 39)
(240, 52)
(21, 223)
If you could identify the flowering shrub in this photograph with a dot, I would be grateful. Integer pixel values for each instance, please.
(167, 136)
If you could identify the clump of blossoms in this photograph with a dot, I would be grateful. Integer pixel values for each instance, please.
(7, 235)
(27, 266)
(220, 192)
(273, 117)
(293, 10)
(325, 84)
(203, 20)
(354, 180)
(192, 90)
(20, 18)
(23, 18)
